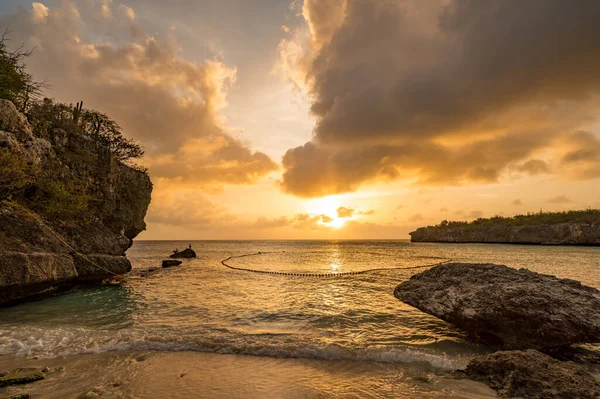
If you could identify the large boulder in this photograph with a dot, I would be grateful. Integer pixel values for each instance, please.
(533, 375)
(186, 253)
(505, 307)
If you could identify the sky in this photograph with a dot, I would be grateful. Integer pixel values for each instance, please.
(346, 119)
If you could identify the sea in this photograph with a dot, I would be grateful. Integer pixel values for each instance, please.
(286, 319)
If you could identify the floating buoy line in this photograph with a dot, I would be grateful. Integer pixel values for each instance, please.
(322, 275)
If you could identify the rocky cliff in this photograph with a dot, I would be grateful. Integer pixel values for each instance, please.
(81, 231)
(546, 234)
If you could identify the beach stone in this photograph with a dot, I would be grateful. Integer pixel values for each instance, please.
(171, 262)
(505, 307)
(531, 374)
(20, 376)
(186, 253)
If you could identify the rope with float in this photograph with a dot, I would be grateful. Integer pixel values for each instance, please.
(320, 275)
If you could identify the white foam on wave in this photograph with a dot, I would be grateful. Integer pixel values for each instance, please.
(65, 342)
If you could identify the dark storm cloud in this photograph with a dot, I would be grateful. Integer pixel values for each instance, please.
(447, 92)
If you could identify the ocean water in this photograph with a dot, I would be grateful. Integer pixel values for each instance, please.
(282, 320)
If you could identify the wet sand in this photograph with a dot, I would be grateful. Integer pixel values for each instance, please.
(153, 374)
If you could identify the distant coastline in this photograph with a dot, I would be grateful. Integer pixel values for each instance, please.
(576, 227)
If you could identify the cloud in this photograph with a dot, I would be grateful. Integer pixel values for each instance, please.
(188, 208)
(416, 218)
(168, 103)
(300, 221)
(475, 214)
(517, 202)
(439, 92)
(345, 213)
(561, 199)
(582, 156)
(533, 167)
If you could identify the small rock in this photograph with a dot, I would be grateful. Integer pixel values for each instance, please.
(20, 376)
(88, 395)
(533, 375)
(21, 396)
(172, 262)
(142, 358)
(186, 253)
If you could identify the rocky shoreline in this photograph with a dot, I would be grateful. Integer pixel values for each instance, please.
(540, 234)
(523, 314)
(39, 255)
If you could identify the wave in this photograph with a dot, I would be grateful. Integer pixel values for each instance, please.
(58, 342)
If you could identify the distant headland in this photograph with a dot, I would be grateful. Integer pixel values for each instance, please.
(575, 227)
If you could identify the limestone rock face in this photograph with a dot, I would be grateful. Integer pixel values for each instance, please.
(186, 253)
(505, 307)
(533, 375)
(556, 234)
(37, 255)
(14, 121)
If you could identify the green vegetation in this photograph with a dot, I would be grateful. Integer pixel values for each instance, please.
(15, 174)
(46, 115)
(65, 188)
(589, 216)
(16, 84)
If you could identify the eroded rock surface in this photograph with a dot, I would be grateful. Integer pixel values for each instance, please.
(533, 375)
(505, 307)
(39, 255)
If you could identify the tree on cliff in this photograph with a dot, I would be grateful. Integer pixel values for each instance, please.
(62, 189)
(45, 115)
(16, 84)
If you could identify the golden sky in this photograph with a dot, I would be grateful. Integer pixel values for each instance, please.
(277, 119)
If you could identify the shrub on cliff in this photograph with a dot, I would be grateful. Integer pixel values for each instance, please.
(19, 87)
(586, 216)
(16, 84)
(47, 115)
(15, 174)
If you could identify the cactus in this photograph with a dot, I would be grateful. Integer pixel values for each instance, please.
(77, 111)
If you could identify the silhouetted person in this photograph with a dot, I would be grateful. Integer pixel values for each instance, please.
(176, 251)
(190, 247)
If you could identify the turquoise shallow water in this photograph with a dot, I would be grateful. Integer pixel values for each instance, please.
(203, 306)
